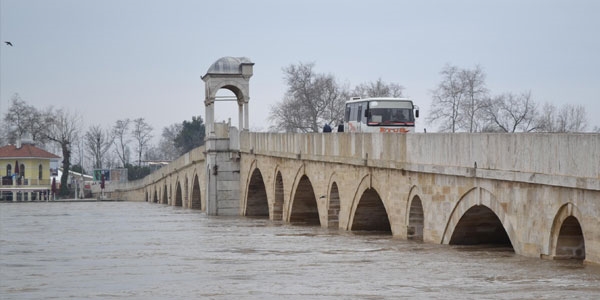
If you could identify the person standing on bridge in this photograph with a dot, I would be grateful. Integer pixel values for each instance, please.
(340, 126)
(326, 128)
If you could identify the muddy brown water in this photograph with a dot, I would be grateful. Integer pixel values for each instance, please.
(128, 250)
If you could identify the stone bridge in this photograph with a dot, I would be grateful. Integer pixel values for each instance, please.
(537, 193)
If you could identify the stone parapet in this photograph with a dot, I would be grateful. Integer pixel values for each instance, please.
(568, 160)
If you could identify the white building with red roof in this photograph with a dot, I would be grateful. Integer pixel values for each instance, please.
(26, 172)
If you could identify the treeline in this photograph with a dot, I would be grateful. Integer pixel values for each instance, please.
(461, 102)
(98, 147)
(313, 99)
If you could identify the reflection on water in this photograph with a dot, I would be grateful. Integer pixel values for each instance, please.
(126, 250)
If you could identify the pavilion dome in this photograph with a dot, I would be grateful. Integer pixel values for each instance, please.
(228, 65)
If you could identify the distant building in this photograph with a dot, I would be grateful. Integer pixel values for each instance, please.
(26, 172)
(80, 184)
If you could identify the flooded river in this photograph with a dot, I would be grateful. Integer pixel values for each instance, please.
(125, 250)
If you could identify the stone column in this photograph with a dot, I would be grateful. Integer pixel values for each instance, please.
(241, 115)
(210, 116)
(246, 113)
(222, 174)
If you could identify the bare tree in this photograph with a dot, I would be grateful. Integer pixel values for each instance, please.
(153, 153)
(474, 102)
(3, 134)
(378, 88)
(111, 160)
(572, 118)
(97, 144)
(167, 149)
(39, 124)
(546, 120)
(447, 100)
(289, 116)
(510, 113)
(141, 133)
(16, 118)
(120, 133)
(311, 100)
(64, 131)
(21, 119)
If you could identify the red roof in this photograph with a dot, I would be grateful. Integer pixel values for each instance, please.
(26, 151)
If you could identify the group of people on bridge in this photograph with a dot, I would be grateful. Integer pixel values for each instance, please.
(327, 128)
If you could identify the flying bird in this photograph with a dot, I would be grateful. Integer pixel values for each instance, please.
(8, 43)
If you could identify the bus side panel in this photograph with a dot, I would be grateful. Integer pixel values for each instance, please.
(352, 126)
(396, 129)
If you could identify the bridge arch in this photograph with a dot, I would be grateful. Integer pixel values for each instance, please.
(333, 202)
(257, 203)
(478, 218)
(415, 215)
(368, 211)
(279, 196)
(233, 86)
(165, 198)
(567, 240)
(287, 207)
(178, 194)
(155, 196)
(303, 205)
(196, 200)
(365, 183)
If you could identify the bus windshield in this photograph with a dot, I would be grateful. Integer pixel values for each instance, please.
(390, 113)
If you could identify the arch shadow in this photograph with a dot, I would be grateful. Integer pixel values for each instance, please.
(165, 198)
(178, 195)
(415, 215)
(304, 208)
(368, 211)
(333, 202)
(196, 200)
(567, 240)
(478, 218)
(257, 204)
(279, 196)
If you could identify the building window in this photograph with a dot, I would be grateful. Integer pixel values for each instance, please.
(8, 170)
(22, 170)
(40, 168)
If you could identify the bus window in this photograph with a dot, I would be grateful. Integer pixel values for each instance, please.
(359, 116)
(390, 116)
(348, 110)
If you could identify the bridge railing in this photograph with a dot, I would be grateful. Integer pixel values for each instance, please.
(184, 161)
(557, 159)
(576, 155)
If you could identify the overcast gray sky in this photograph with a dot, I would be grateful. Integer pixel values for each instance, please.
(114, 59)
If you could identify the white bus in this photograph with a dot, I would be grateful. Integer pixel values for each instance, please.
(395, 115)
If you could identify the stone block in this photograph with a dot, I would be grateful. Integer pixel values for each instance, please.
(228, 186)
(228, 165)
(229, 176)
(229, 195)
